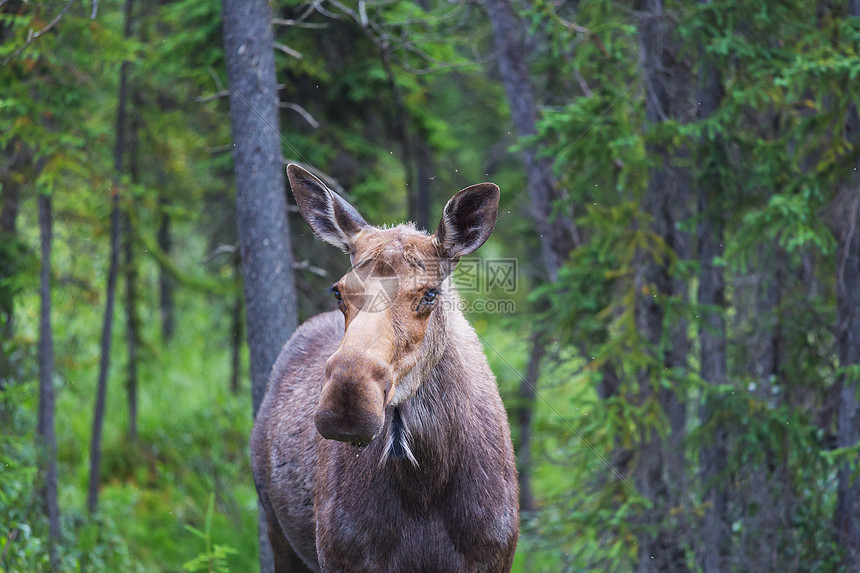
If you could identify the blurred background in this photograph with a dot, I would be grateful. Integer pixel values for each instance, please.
(679, 350)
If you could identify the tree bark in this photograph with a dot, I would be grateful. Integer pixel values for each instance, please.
(557, 234)
(417, 162)
(9, 196)
(10, 192)
(107, 327)
(236, 331)
(848, 340)
(400, 127)
(16, 157)
(260, 196)
(659, 546)
(165, 280)
(132, 327)
(716, 529)
(47, 436)
(524, 414)
(423, 175)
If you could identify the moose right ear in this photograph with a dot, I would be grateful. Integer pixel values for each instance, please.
(468, 220)
(330, 216)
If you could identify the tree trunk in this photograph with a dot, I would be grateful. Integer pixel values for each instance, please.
(107, 327)
(132, 327)
(674, 400)
(716, 529)
(848, 341)
(659, 546)
(9, 195)
(236, 330)
(264, 239)
(104, 363)
(400, 127)
(524, 413)
(16, 156)
(10, 192)
(47, 437)
(424, 174)
(557, 235)
(165, 279)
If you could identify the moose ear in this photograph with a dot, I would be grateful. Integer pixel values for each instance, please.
(330, 216)
(468, 220)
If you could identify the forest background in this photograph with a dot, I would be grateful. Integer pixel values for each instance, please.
(679, 352)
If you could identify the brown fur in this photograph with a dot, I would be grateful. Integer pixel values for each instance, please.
(436, 489)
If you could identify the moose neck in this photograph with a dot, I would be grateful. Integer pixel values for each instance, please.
(424, 429)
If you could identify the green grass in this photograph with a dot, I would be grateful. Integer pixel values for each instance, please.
(193, 442)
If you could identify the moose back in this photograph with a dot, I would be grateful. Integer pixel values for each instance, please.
(382, 443)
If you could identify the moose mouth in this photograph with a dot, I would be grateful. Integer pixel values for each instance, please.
(354, 426)
(352, 440)
(351, 404)
(360, 444)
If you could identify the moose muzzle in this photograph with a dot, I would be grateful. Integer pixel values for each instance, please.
(353, 398)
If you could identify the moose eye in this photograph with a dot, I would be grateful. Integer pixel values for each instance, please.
(430, 296)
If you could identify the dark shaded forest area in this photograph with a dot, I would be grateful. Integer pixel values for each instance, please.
(670, 300)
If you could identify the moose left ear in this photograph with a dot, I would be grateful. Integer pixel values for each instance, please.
(330, 216)
(468, 220)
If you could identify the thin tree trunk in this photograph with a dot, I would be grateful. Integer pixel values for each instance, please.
(847, 233)
(165, 279)
(848, 340)
(47, 436)
(9, 195)
(10, 192)
(264, 240)
(236, 331)
(557, 234)
(107, 328)
(16, 157)
(424, 174)
(104, 363)
(132, 327)
(524, 413)
(400, 124)
(716, 530)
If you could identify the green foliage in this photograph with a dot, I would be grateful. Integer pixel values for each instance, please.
(214, 558)
(774, 178)
(773, 155)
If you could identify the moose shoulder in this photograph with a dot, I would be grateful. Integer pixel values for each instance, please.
(382, 443)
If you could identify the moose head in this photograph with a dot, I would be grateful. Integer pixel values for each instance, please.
(393, 301)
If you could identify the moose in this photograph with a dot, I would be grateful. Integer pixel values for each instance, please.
(382, 443)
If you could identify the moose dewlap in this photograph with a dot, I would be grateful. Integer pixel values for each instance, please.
(382, 443)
